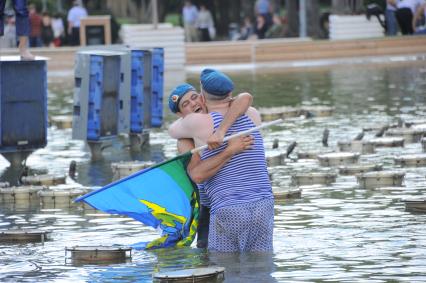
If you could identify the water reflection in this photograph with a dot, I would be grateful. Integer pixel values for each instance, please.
(335, 232)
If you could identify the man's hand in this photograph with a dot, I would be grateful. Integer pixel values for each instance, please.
(215, 140)
(239, 144)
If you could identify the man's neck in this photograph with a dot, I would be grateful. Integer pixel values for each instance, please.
(218, 105)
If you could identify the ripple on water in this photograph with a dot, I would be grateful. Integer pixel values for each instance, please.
(337, 232)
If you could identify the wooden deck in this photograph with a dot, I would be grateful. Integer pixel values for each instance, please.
(265, 51)
(296, 50)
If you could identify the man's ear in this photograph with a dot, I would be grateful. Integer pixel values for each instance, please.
(203, 98)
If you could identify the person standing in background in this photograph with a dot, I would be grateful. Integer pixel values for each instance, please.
(76, 13)
(9, 38)
(22, 26)
(404, 14)
(35, 27)
(46, 30)
(391, 23)
(205, 23)
(277, 30)
(421, 12)
(264, 8)
(58, 30)
(260, 28)
(190, 16)
(247, 30)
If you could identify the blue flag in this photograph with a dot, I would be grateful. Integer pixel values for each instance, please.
(160, 196)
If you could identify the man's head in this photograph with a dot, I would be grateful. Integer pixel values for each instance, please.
(184, 100)
(32, 8)
(215, 85)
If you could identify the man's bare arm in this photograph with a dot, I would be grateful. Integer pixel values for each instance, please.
(193, 126)
(201, 170)
(239, 106)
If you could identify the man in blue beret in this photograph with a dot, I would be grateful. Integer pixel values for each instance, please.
(240, 193)
(185, 100)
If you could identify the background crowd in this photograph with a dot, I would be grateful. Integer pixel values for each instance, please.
(199, 24)
(46, 29)
(206, 20)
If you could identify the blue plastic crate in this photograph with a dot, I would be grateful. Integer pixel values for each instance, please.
(23, 105)
(103, 102)
(136, 92)
(157, 87)
(95, 96)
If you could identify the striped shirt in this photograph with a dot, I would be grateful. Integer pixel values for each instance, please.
(204, 199)
(244, 178)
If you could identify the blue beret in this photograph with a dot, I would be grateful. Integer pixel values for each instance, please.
(177, 94)
(215, 82)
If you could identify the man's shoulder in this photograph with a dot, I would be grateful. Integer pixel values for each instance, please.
(252, 110)
(196, 116)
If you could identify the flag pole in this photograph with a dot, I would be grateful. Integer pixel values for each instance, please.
(243, 133)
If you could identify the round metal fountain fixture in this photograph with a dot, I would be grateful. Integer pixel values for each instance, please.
(23, 236)
(275, 159)
(4, 185)
(98, 254)
(359, 168)
(24, 196)
(388, 142)
(423, 141)
(310, 154)
(415, 205)
(409, 135)
(338, 158)
(377, 179)
(289, 193)
(411, 160)
(320, 178)
(317, 111)
(204, 274)
(44, 180)
(363, 147)
(274, 113)
(124, 169)
(62, 121)
(420, 127)
(61, 197)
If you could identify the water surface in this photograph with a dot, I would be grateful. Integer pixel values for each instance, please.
(333, 233)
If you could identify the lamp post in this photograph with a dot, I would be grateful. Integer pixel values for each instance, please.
(302, 18)
(154, 14)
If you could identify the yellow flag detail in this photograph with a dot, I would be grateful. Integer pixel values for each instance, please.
(167, 218)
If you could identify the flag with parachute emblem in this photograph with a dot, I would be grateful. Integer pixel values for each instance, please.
(162, 196)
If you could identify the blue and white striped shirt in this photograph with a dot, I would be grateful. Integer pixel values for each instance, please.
(204, 199)
(244, 178)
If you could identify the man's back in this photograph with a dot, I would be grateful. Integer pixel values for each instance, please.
(244, 178)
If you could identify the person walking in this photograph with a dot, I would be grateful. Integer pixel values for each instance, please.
(22, 26)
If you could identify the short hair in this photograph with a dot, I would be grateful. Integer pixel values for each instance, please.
(210, 96)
